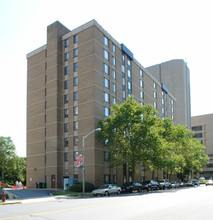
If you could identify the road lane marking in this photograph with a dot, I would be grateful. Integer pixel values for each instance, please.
(50, 212)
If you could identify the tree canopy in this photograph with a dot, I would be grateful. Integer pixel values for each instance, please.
(12, 167)
(137, 137)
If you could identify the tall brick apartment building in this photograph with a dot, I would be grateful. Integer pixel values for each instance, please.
(72, 82)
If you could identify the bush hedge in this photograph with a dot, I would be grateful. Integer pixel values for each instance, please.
(78, 187)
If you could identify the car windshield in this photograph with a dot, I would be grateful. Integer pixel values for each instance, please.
(103, 187)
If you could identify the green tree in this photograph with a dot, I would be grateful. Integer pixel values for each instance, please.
(130, 134)
(7, 153)
(12, 167)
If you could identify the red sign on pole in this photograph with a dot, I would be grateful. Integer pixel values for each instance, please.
(79, 160)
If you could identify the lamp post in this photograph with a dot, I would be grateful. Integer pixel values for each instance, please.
(83, 171)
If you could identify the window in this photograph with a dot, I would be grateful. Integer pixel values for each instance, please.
(113, 48)
(128, 62)
(106, 68)
(113, 87)
(106, 55)
(197, 128)
(75, 52)
(123, 69)
(66, 157)
(123, 81)
(129, 73)
(66, 127)
(113, 100)
(154, 94)
(65, 99)
(154, 85)
(66, 142)
(124, 94)
(113, 74)
(66, 56)
(106, 178)
(114, 179)
(123, 58)
(75, 67)
(75, 81)
(198, 135)
(141, 83)
(155, 104)
(75, 96)
(66, 113)
(75, 140)
(75, 39)
(129, 85)
(106, 83)
(106, 156)
(66, 43)
(75, 110)
(141, 73)
(66, 84)
(113, 60)
(106, 97)
(106, 141)
(106, 41)
(141, 94)
(106, 111)
(66, 70)
(75, 125)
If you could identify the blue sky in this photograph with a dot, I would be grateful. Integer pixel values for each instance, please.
(155, 31)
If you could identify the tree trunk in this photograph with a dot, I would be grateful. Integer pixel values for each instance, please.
(153, 174)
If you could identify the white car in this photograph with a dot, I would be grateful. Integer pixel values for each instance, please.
(107, 189)
(209, 183)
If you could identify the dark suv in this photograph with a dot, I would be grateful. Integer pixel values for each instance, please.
(165, 184)
(130, 187)
(150, 185)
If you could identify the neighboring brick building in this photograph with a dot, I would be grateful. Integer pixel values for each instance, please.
(72, 82)
(202, 126)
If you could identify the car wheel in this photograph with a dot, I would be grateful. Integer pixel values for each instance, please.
(106, 193)
(119, 192)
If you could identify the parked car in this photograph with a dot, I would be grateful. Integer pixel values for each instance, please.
(189, 183)
(181, 184)
(175, 185)
(165, 184)
(150, 185)
(209, 183)
(107, 189)
(196, 182)
(130, 187)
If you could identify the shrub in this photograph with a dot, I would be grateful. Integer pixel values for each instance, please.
(78, 187)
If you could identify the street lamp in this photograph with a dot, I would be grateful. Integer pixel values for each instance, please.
(83, 171)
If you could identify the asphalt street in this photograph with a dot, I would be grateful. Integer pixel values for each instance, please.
(193, 203)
